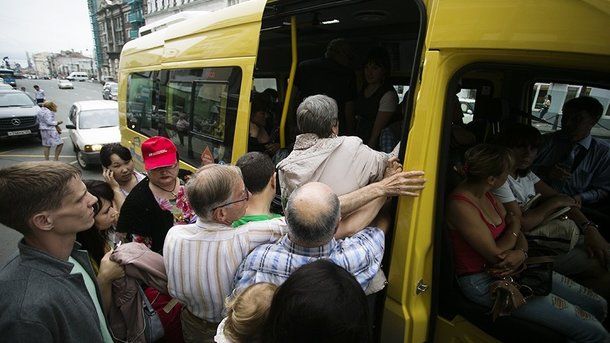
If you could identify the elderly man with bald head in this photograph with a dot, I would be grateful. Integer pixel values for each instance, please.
(313, 215)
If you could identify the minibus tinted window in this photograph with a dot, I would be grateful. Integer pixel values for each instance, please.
(195, 108)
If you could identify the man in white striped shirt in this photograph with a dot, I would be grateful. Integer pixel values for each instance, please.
(201, 259)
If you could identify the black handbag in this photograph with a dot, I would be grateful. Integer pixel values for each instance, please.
(537, 277)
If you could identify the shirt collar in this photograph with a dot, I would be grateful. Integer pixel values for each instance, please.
(210, 225)
(585, 142)
(320, 251)
(48, 264)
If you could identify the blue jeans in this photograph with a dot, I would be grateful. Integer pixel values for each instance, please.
(571, 309)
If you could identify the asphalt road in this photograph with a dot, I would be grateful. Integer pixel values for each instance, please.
(20, 150)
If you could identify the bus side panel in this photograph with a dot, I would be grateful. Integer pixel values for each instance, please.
(548, 25)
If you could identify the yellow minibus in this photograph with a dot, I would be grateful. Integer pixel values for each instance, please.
(193, 82)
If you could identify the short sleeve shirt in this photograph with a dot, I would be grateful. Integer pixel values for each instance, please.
(520, 189)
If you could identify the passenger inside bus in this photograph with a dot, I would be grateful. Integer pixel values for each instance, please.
(263, 132)
(377, 102)
(539, 225)
(332, 75)
(487, 241)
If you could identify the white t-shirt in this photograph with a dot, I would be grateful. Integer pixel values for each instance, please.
(520, 189)
(388, 102)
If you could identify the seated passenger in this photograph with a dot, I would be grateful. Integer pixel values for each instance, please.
(320, 302)
(522, 185)
(260, 138)
(575, 163)
(246, 315)
(377, 103)
(488, 244)
(313, 214)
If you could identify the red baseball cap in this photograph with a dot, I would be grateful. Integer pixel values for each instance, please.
(158, 152)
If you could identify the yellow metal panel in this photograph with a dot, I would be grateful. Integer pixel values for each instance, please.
(551, 25)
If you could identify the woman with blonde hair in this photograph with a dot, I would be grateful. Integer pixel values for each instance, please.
(50, 132)
(246, 314)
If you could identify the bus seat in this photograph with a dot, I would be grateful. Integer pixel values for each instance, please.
(505, 329)
(489, 114)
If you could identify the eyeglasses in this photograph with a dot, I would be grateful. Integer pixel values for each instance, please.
(236, 201)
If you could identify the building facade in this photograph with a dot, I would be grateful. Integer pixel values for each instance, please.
(118, 22)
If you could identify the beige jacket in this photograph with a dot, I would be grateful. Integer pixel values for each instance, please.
(344, 163)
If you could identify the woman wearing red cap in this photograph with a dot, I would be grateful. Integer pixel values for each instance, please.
(158, 202)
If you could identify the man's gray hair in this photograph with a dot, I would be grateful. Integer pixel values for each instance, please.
(210, 186)
(317, 114)
(308, 227)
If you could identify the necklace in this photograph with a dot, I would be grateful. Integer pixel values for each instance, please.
(170, 191)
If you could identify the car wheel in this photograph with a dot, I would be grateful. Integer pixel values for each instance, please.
(80, 159)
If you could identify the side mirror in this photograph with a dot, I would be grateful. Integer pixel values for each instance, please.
(71, 127)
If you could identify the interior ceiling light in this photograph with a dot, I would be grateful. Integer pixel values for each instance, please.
(330, 22)
(371, 15)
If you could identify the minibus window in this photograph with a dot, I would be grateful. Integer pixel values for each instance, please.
(195, 108)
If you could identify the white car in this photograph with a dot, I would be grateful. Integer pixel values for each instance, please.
(93, 124)
(64, 84)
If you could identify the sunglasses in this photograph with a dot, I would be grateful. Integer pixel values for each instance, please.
(246, 198)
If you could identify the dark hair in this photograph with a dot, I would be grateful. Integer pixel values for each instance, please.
(379, 56)
(94, 240)
(111, 149)
(320, 302)
(549, 96)
(585, 103)
(519, 136)
(257, 170)
(485, 160)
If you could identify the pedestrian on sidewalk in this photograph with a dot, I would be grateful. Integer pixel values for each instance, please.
(50, 132)
(39, 95)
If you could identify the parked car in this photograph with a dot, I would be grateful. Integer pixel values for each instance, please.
(105, 79)
(64, 84)
(4, 87)
(18, 115)
(93, 124)
(110, 91)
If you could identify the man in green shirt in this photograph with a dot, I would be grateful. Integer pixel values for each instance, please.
(258, 172)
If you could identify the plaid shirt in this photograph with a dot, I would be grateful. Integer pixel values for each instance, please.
(360, 255)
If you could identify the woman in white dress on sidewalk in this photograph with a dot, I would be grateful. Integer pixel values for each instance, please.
(50, 132)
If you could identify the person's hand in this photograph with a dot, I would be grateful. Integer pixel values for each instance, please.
(577, 201)
(60, 122)
(109, 270)
(58, 129)
(510, 262)
(110, 180)
(597, 246)
(393, 167)
(408, 183)
(559, 172)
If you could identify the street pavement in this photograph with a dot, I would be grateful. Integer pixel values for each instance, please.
(20, 150)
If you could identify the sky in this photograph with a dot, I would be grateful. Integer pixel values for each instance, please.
(43, 26)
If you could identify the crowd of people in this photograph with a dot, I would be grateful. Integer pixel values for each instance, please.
(204, 257)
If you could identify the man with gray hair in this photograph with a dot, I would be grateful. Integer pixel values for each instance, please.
(313, 214)
(342, 162)
(202, 258)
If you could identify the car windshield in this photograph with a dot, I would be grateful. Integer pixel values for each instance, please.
(95, 119)
(17, 99)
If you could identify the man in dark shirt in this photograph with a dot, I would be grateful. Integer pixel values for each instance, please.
(331, 75)
(49, 290)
